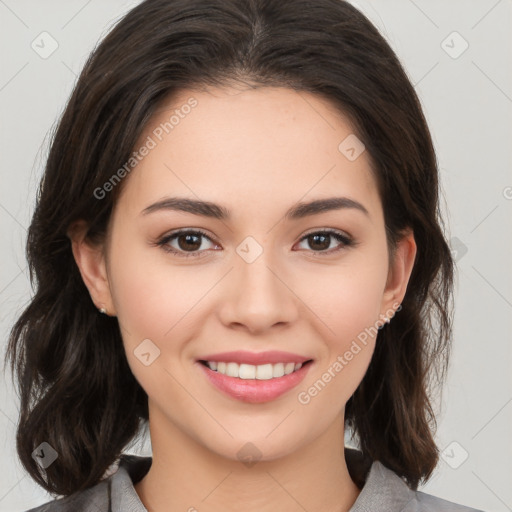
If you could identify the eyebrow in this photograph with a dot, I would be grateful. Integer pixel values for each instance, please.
(209, 209)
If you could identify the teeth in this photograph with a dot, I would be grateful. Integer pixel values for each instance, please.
(249, 371)
(278, 370)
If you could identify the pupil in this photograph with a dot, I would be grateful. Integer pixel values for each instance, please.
(188, 238)
(322, 246)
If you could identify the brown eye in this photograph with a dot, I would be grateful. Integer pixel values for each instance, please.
(320, 241)
(189, 243)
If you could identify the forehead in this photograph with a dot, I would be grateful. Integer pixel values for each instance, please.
(247, 147)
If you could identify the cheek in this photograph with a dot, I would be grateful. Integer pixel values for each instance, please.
(157, 301)
(347, 302)
(153, 302)
(152, 297)
(348, 298)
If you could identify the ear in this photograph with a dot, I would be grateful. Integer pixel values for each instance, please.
(400, 270)
(90, 259)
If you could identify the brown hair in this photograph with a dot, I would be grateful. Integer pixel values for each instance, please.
(80, 395)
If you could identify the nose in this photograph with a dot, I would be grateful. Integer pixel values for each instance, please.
(258, 296)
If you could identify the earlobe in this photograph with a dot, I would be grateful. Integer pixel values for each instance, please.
(400, 271)
(90, 259)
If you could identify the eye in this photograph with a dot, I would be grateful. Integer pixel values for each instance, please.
(321, 241)
(187, 241)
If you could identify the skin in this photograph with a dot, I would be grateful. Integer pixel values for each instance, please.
(257, 152)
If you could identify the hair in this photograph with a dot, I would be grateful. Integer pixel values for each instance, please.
(78, 394)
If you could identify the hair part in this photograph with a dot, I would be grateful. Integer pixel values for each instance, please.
(77, 391)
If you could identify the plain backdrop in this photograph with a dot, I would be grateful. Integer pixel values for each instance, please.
(458, 54)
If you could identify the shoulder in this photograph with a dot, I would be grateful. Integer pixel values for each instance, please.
(115, 491)
(385, 490)
(94, 499)
(423, 502)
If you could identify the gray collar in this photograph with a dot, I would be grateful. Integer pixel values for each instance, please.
(383, 489)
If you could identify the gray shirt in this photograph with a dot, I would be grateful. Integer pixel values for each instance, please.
(383, 491)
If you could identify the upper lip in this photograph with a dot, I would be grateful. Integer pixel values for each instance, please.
(256, 358)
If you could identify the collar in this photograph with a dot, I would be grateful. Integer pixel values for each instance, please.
(381, 488)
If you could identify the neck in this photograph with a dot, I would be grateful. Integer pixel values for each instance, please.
(185, 475)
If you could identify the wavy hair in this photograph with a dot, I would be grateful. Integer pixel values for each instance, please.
(76, 389)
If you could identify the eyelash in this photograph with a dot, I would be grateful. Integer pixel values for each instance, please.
(340, 237)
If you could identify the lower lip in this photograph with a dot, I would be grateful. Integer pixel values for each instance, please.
(253, 390)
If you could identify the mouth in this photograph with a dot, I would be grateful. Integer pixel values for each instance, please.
(254, 383)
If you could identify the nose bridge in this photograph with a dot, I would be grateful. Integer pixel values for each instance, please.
(259, 296)
(258, 278)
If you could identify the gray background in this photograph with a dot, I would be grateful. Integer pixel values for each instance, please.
(467, 97)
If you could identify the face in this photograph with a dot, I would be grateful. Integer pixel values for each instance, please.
(311, 284)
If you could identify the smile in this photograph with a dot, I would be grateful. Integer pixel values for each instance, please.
(254, 383)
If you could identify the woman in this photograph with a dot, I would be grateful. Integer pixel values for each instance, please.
(237, 243)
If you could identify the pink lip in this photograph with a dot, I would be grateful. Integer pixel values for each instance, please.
(254, 390)
(256, 358)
